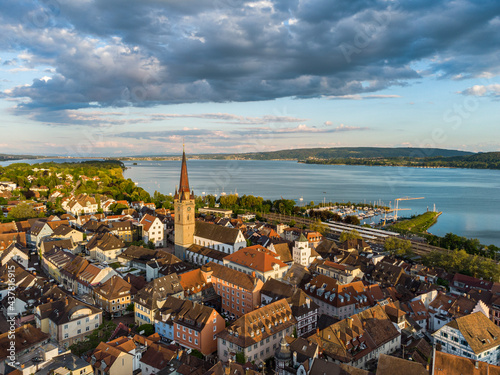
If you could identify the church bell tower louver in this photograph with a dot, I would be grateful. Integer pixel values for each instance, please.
(184, 208)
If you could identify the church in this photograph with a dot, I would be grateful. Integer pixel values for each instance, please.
(191, 236)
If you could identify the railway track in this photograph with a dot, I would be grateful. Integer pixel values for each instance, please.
(371, 235)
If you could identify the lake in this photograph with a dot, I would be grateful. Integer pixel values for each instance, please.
(468, 198)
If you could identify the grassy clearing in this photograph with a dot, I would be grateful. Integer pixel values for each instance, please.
(418, 224)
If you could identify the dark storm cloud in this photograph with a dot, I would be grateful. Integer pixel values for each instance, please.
(113, 53)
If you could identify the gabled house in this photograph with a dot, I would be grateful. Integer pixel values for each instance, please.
(342, 300)
(112, 360)
(473, 336)
(239, 292)
(16, 252)
(105, 247)
(153, 296)
(259, 260)
(152, 230)
(114, 295)
(67, 320)
(190, 324)
(360, 338)
(256, 334)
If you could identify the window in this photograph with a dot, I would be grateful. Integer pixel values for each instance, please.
(196, 333)
(96, 325)
(215, 320)
(65, 326)
(183, 336)
(190, 339)
(190, 330)
(66, 335)
(215, 328)
(183, 329)
(79, 322)
(87, 320)
(79, 331)
(87, 328)
(196, 341)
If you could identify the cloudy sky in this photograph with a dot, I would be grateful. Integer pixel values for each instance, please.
(120, 77)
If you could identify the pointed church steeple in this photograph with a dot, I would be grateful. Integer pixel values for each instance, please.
(183, 192)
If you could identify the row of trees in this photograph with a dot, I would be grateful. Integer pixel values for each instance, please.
(459, 261)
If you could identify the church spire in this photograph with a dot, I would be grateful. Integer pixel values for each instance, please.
(183, 192)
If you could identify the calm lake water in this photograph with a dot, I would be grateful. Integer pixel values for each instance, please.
(468, 198)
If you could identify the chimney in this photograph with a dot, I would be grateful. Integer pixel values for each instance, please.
(253, 273)
(349, 322)
(66, 302)
(294, 358)
(317, 331)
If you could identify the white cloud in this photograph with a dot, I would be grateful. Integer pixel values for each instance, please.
(483, 90)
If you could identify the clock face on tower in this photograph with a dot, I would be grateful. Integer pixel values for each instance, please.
(189, 208)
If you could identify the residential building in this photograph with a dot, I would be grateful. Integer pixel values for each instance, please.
(92, 276)
(26, 339)
(138, 257)
(343, 273)
(360, 338)
(108, 359)
(256, 334)
(114, 295)
(55, 260)
(239, 291)
(156, 358)
(67, 320)
(126, 231)
(259, 260)
(463, 284)
(152, 297)
(342, 301)
(449, 364)
(473, 336)
(152, 230)
(190, 324)
(65, 231)
(16, 252)
(305, 311)
(80, 205)
(105, 247)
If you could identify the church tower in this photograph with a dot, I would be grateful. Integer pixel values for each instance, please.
(184, 213)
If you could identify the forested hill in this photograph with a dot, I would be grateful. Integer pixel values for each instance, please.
(487, 160)
(353, 152)
(323, 153)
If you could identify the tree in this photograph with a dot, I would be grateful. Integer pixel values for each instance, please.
(351, 219)
(351, 235)
(397, 246)
(318, 226)
(240, 357)
(117, 208)
(148, 329)
(23, 211)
